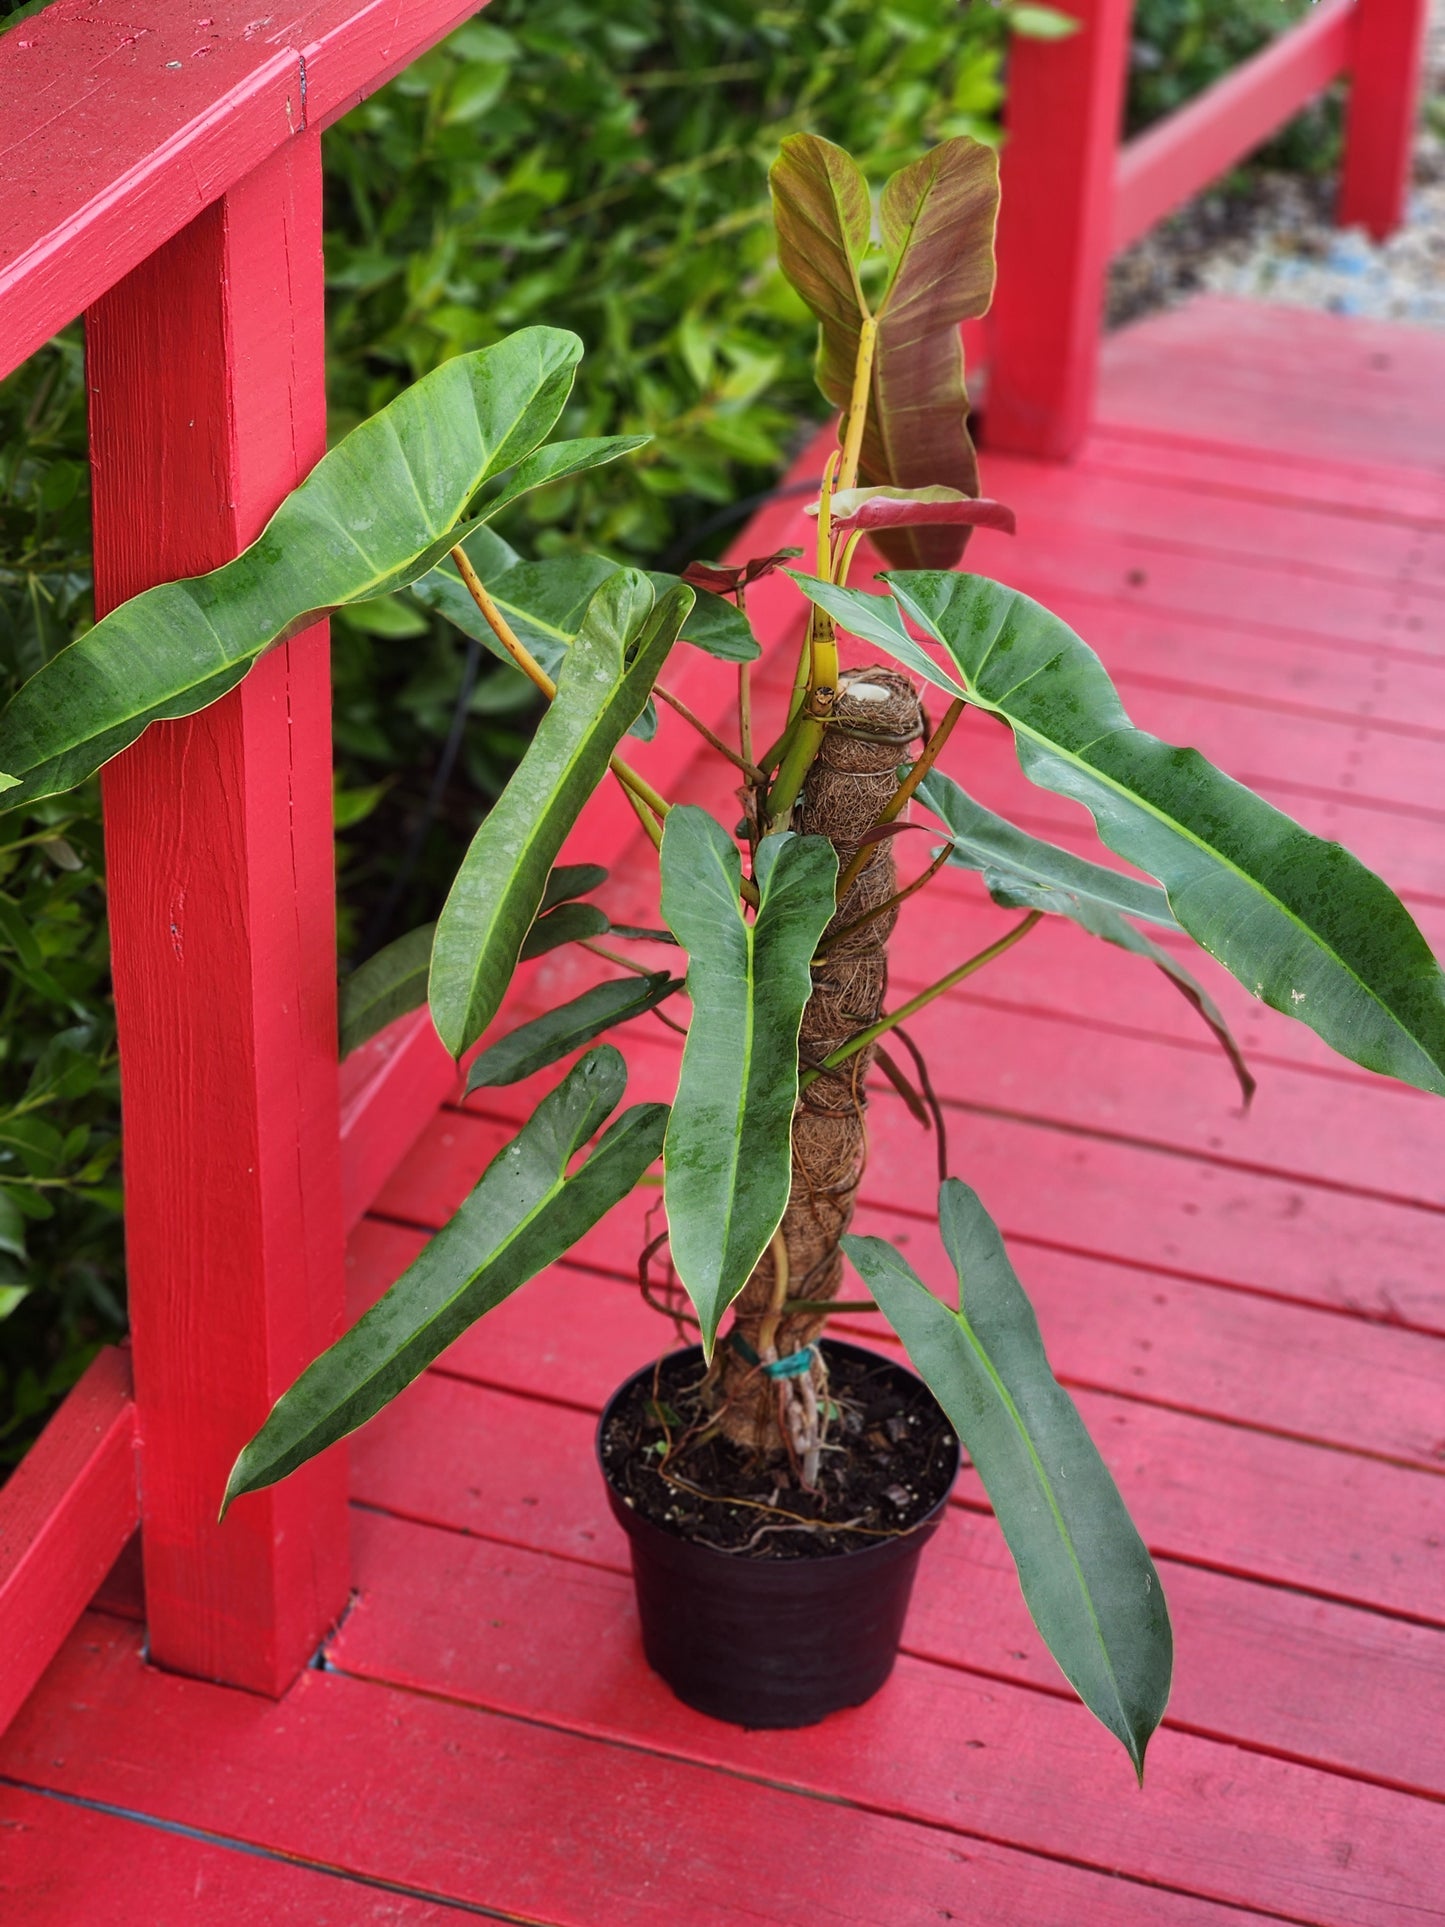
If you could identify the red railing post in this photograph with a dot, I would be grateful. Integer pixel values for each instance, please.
(1389, 54)
(1065, 103)
(207, 404)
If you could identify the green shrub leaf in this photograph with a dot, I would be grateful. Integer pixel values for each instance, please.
(728, 1164)
(1086, 1575)
(523, 1214)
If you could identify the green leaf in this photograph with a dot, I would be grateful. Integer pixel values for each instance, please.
(1087, 1578)
(545, 1039)
(1023, 872)
(385, 987)
(1301, 923)
(876, 619)
(602, 686)
(1041, 23)
(524, 1213)
(557, 460)
(728, 1162)
(987, 842)
(545, 602)
(12, 1228)
(394, 980)
(568, 923)
(937, 221)
(569, 880)
(1012, 892)
(11, 1297)
(372, 516)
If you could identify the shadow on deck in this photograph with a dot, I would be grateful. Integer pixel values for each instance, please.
(1250, 1311)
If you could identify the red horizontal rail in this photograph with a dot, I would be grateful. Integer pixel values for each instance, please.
(1159, 170)
(64, 1517)
(116, 135)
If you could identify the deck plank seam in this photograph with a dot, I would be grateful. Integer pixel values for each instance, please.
(233, 1843)
(876, 1809)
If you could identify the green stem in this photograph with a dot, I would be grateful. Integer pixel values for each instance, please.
(922, 1000)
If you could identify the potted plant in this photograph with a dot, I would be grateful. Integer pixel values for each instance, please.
(764, 1447)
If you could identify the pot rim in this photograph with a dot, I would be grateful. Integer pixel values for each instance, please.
(636, 1525)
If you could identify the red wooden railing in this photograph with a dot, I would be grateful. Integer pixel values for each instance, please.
(166, 182)
(1073, 199)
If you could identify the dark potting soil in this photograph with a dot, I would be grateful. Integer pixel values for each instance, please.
(888, 1462)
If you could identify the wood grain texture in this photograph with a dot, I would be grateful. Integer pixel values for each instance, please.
(64, 1517)
(205, 370)
(527, 1821)
(64, 1865)
(557, 1642)
(116, 132)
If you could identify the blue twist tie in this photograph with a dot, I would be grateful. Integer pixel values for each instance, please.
(795, 1365)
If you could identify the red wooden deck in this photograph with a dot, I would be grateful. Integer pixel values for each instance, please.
(1251, 1312)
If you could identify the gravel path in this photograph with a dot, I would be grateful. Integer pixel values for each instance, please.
(1275, 241)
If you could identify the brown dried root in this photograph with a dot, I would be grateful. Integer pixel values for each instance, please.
(875, 718)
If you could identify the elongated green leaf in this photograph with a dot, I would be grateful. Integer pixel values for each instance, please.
(1301, 923)
(728, 1161)
(937, 220)
(568, 923)
(371, 517)
(385, 987)
(569, 880)
(394, 981)
(601, 688)
(555, 1034)
(524, 1213)
(1087, 1578)
(1023, 872)
(985, 841)
(556, 461)
(545, 601)
(876, 619)
(1100, 920)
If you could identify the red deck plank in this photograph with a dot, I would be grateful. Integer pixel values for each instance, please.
(63, 1865)
(1322, 386)
(557, 1642)
(520, 1817)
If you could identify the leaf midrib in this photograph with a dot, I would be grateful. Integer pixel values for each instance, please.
(1006, 1399)
(1077, 760)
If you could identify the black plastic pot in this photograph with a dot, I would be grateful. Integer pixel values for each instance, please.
(770, 1643)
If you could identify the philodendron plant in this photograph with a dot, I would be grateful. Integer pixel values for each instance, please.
(784, 916)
